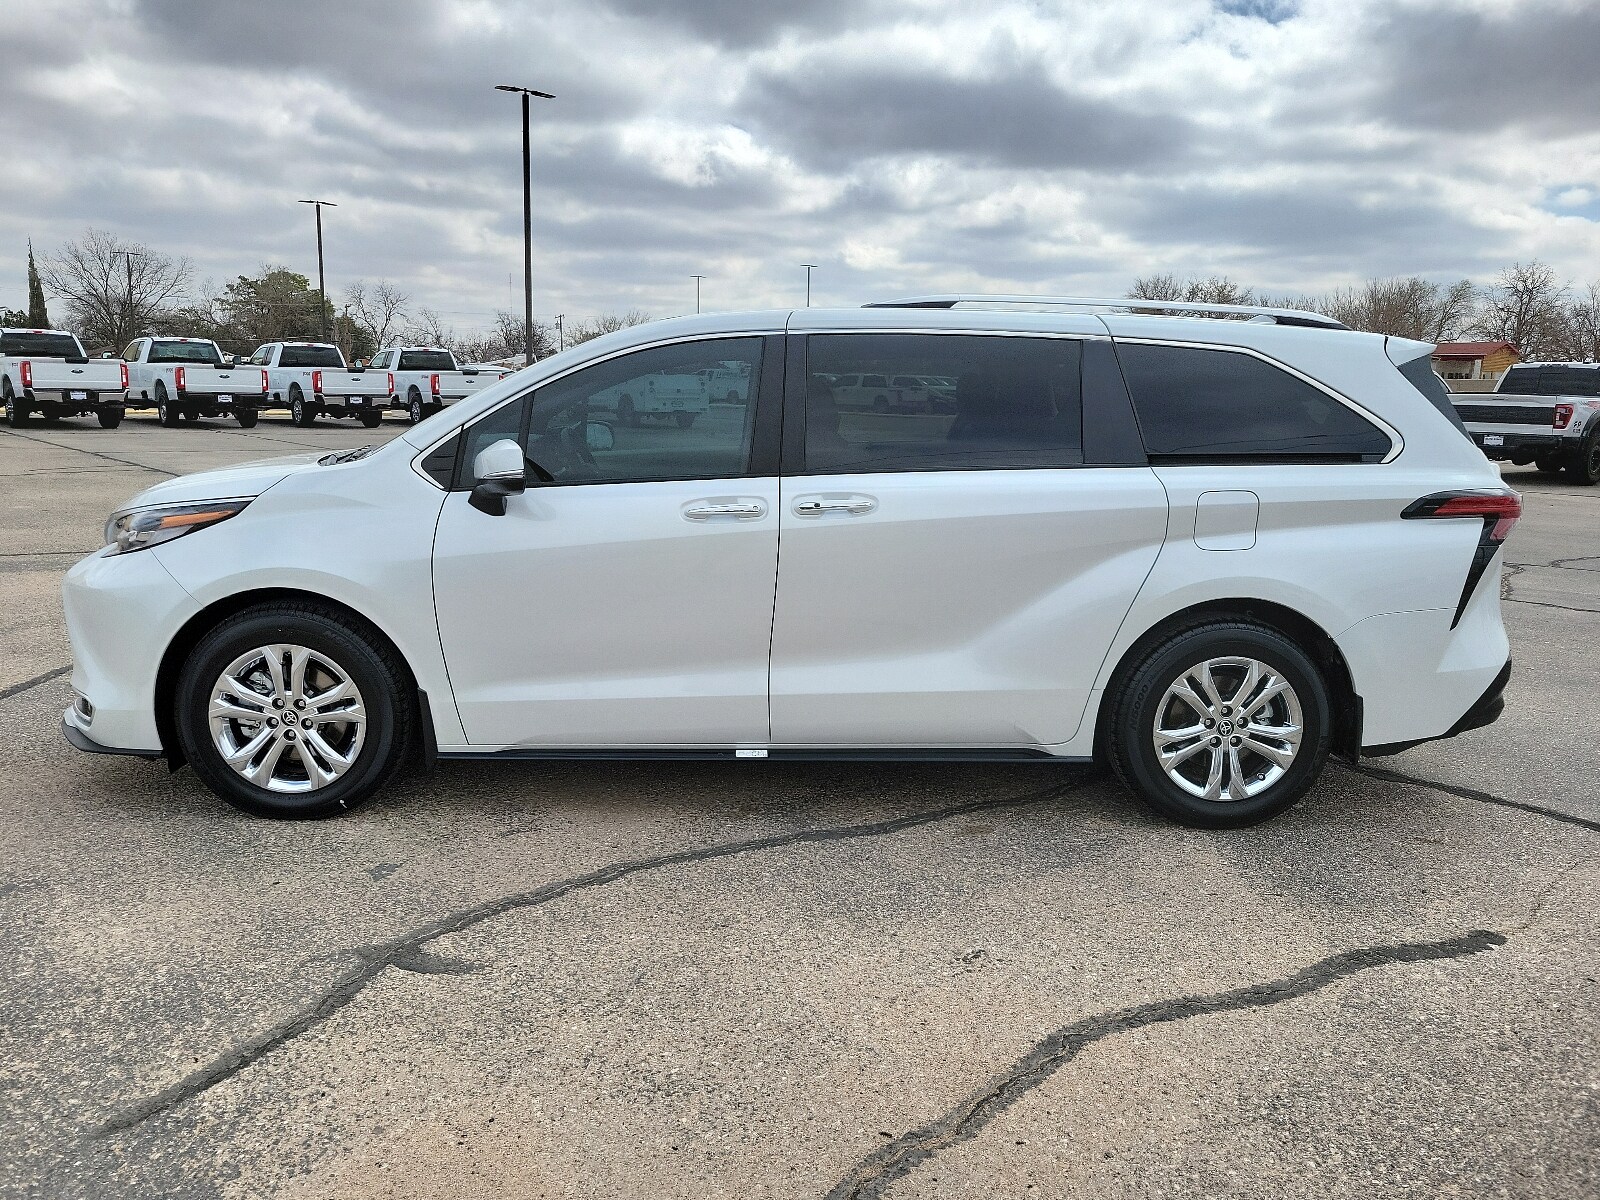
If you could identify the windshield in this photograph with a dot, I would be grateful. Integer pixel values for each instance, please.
(201, 353)
(40, 345)
(310, 356)
(426, 360)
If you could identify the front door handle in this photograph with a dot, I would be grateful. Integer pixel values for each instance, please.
(843, 506)
(726, 510)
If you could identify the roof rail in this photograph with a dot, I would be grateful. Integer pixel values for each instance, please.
(1279, 316)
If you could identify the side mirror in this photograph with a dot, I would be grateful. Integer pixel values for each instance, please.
(599, 436)
(500, 472)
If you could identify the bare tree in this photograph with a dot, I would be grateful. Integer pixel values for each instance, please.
(427, 327)
(583, 331)
(1214, 289)
(1408, 307)
(1526, 307)
(113, 289)
(1580, 333)
(379, 310)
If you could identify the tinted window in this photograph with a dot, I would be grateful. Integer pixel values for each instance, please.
(1197, 403)
(427, 360)
(643, 416)
(203, 353)
(310, 356)
(1002, 402)
(1419, 374)
(40, 345)
(1552, 381)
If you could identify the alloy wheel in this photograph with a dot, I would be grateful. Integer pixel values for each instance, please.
(1228, 728)
(287, 719)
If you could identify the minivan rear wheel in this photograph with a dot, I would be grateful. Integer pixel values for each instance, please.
(1221, 725)
(294, 710)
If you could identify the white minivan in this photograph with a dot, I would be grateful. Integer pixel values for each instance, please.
(1203, 551)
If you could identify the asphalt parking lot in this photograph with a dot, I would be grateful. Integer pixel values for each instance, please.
(752, 980)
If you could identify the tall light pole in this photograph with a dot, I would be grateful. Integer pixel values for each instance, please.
(322, 279)
(561, 332)
(527, 219)
(127, 256)
(808, 267)
(697, 279)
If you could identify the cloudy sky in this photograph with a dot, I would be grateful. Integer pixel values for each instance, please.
(903, 145)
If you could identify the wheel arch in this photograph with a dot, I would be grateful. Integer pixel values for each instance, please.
(196, 627)
(1306, 633)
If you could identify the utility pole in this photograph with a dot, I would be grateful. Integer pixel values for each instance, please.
(128, 306)
(808, 267)
(527, 219)
(697, 279)
(561, 332)
(322, 278)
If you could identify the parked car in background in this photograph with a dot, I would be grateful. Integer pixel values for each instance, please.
(189, 378)
(311, 380)
(884, 393)
(655, 397)
(726, 382)
(424, 379)
(46, 371)
(1547, 414)
(1207, 553)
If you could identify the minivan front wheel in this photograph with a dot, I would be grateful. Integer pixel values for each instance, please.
(1221, 726)
(292, 710)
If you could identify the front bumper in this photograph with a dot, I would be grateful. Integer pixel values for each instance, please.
(123, 611)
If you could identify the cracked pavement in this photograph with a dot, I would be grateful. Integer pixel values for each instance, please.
(746, 980)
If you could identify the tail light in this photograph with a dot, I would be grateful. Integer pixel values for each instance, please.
(433, 384)
(316, 381)
(1563, 416)
(27, 374)
(263, 383)
(180, 377)
(390, 378)
(124, 374)
(1499, 512)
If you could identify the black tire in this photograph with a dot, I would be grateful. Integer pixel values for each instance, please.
(110, 418)
(880, 404)
(685, 420)
(302, 414)
(371, 420)
(1584, 469)
(1549, 465)
(190, 416)
(247, 417)
(415, 408)
(363, 656)
(1139, 694)
(16, 411)
(625, 413)
(166, 412)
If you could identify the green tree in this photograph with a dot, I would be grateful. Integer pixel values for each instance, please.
(277, 305)
(13, 318)
(38, 315)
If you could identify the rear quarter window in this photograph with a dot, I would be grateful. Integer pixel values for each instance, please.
(1202, 404)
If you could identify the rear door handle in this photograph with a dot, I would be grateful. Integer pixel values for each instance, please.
(842, 506)
(725, 510)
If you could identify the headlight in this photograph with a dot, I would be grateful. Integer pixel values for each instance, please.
(146, 527)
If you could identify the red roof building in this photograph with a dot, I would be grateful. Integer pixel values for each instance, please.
(1474, 360)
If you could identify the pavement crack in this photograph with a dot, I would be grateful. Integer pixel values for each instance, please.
(899, 1157)
(405, 951)
(126, 462)
(16, 689)
(1466, 793)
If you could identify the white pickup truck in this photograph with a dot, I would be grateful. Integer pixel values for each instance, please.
(186, 379)
(45, 371)
(424, 379)
(1547, 414)
(679, 398)
(311, 380)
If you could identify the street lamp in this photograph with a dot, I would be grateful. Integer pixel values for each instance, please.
(527, 219)
(322, 280)
(808, 267)
(697, 279)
